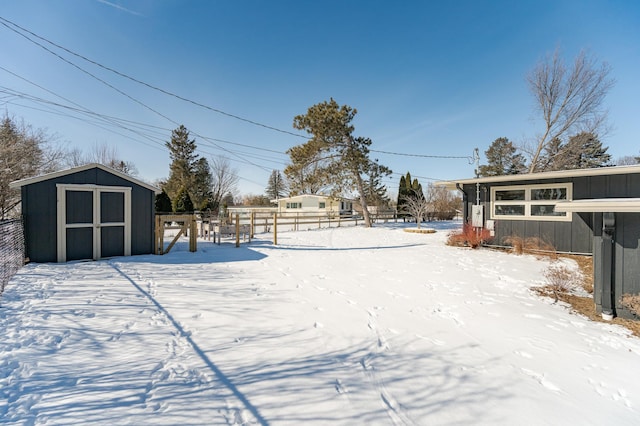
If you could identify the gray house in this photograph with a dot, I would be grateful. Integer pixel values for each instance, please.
(88, 212)
(588, 211)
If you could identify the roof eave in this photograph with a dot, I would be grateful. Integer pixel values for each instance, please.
(560, 174)
(35, 179)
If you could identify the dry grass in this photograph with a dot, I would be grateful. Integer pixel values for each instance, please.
(531, 245)
(631, 302)
(585, 305)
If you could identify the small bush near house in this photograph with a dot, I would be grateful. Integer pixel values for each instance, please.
(469, 236)
(561, 280)
(632, 303)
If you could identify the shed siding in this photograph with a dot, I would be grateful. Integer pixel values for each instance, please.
(39, 210)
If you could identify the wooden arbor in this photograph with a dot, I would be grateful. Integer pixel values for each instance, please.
(186, 225)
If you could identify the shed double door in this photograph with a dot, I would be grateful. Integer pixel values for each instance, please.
(94, 222)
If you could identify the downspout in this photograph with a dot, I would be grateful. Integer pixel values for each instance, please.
(465, 198)
(608, 265)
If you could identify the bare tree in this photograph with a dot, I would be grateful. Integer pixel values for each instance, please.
(102, 154)
(417, 207)
(570, 100)
(24, 152)
(628, 160)
(443, 203)
(225, 180)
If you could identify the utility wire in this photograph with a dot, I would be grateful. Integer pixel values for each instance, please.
(166, 92)
(8, 24)
(422, 155)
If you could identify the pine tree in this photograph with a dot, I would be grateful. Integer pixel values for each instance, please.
(582, 151)
(188, 170)
(202, 182)
(163, 203)
(589, 151)
(182, 203)
(182, 155)
(276, 186)
(342, 159)
(375, 191)
(502, 159)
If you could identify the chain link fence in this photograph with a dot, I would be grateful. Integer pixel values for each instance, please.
(11, 249)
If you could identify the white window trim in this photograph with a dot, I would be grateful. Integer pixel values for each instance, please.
(528, 202)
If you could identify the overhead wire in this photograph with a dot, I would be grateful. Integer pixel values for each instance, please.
(241, 157)
(121, 74)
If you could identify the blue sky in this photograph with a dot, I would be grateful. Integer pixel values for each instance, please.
(427, 78)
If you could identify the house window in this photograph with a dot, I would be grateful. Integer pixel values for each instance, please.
(530, 202)
(294, 205)
(322, 205)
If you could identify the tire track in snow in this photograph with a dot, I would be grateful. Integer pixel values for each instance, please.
(181, 333)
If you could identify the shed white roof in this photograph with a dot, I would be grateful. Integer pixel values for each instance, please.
(28, 181)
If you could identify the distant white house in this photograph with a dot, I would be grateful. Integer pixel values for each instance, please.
(313, 205)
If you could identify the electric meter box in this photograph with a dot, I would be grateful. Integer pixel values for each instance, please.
(477, 216)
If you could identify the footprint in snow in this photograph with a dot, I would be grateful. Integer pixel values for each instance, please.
(340, 387)
(541, 379)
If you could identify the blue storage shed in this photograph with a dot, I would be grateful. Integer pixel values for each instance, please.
(87, 212)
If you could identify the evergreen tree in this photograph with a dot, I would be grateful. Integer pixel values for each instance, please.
(416, 189)
(276, 186)
(342, 158)
(227, 200)
(375, 191)
(183, 157)
(404, 189)
(588, 150)
(202, 182)
(163, 203)
(502, 159)
(408, 189)
(182, 203)
(188, 170)
(582, 151)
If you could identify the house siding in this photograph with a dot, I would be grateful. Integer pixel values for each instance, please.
(626, 258)
(575, 236)
(39, 203)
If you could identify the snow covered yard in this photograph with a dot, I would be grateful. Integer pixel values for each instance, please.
(334, 326)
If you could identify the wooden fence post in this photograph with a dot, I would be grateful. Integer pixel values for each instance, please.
(275, 229)
(237, 230)
(193, 236)
(157, 249)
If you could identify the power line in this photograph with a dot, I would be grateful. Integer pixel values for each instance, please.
(182, 98)
(8, 24)
(166, 92)
(458, 157)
